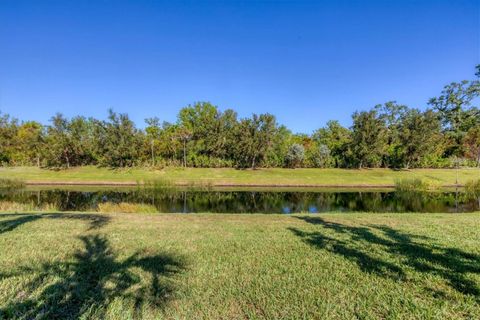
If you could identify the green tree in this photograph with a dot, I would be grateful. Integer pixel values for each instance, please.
(337, 139)
(184, 134)
(70, 142)
(119, 141)
(29, 143)
(170, 144)
(8, 130)
(456, 109)
(60, 151)
(211, 131)
(200, 121)
(83, 140)
(254, 138)
(392, 113)
(223, 137)
(282, 139)
(471, 144)
(153, 133)
(419, 136)
(369, 139)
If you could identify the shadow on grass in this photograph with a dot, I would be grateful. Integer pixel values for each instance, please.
(95, 221)
(85, 286)
(11, 224)
(355, 244)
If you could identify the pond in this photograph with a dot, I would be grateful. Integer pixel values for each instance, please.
(170, 200)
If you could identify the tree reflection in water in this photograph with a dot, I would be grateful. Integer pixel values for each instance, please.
(228, 201)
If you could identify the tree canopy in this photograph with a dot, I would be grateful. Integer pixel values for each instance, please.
(386, 135)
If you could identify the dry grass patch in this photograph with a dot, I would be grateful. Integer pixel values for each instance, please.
(11, 206)
(125, 207)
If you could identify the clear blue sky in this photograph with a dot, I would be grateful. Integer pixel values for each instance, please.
(305, 61)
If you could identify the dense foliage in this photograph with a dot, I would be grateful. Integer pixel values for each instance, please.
(390, 135)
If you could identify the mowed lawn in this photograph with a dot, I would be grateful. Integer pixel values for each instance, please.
(225, 176)
(214, 266)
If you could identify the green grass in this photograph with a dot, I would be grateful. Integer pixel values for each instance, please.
(265, 177)
(154, 266)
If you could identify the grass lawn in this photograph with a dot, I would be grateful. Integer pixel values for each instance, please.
(262, 177)
(328, 266)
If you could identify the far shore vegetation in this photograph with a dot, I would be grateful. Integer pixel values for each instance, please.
(445, 133)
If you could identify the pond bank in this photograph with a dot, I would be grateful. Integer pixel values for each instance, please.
(220, 185)
(228, 177)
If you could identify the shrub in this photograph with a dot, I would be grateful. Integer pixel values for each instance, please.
(295, 155)
(11, 184)
(416, 185)
(472, 189)
(204, 161)
(322, 157)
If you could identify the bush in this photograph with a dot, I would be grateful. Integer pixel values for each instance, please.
(295, 155)
(204, 161)
(416, 185)
(322, 157)
(472, 189)
(11, 184)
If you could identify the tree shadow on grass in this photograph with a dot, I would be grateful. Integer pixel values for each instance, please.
(11, 224)
(85, 286)
(95, 221)
(355, 244)
(366, 261)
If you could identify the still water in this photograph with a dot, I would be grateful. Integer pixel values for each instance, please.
(249, 201)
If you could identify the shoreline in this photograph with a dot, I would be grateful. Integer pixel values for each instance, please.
(219, 185)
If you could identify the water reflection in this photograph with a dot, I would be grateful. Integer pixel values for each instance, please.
(228, 201)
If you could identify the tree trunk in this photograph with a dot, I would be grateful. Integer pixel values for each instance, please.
(153, 156)
(184, 153)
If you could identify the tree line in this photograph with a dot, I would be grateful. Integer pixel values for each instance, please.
(391, 135)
